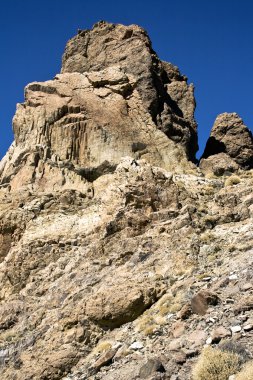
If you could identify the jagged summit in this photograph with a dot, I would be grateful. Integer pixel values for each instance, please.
(163, 90)
(113, 98)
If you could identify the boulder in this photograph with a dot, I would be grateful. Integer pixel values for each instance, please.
(201, 301)
(229, 136)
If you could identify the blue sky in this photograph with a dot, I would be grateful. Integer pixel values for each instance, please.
(210, 41)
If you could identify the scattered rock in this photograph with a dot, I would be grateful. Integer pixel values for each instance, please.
(151, 367)
(136, 346)
(201, 301)
(246, 304)
(185, 312)
(220, 333)
(235, 329)
(233, 277)
(177, 329)
(179, 357)
(197, 338)
(246, 287)
(104, 359)
(219, 164)
(175, 345)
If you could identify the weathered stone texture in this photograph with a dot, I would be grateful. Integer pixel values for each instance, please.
(230, 136)
(119, 259)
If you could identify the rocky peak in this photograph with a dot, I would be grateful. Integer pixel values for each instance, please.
(232, 138)
(163, 90)
(113, 98)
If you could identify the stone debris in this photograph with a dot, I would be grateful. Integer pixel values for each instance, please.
(235, 329)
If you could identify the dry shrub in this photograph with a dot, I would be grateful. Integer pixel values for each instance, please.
(235, 348)
(246, 373)
(232, 180)
(214, 364)
(170, 303)
(102, 346)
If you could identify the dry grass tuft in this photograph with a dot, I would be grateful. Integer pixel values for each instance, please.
(214, 364)
(102, 347)
(232, 180)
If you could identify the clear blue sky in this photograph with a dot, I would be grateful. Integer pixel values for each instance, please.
(210, 41)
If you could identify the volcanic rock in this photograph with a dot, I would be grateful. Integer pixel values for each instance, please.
(229, 139)
(113, 244)
(114, 98)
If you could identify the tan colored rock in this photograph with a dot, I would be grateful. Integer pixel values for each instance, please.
(229, 135)
(201, 301)
(185, 312)
(178, 328)
(104, 359)
(197, 338)
(119, 304)
(220, 333)
(151, 367)
(163, 90)
(218, 164)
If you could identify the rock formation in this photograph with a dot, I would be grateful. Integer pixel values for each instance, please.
(229, 145)
(114, 98)
(115, 249)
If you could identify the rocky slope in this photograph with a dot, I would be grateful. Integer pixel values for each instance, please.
(120, 258)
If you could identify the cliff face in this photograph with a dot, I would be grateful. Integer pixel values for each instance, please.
(115, 249)
(114, 98)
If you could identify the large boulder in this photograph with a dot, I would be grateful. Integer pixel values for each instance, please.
(230, 144)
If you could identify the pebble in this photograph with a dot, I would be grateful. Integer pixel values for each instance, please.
(230, 300)
(179, 357)
(209, 341)
(233, 277)
(210, 320)
(248, 327)
(220, 333)
(247, 286)
(235, 329)
(206, 279)
(136, 346)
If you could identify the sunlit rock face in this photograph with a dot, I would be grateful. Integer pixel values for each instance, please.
(119, 257)
(231, 141)
(114, 98)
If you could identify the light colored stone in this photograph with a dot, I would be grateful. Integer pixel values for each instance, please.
(235, 329)
(136, 346)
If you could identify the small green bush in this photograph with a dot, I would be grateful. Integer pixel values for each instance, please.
(214, 364)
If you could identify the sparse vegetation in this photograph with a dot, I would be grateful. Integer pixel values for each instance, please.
(235, 348)
(102, 346)
(232, 180)
(149, 323)
(214, 364)
(170, 304)
(207, 237)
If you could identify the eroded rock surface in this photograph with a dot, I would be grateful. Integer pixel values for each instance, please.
(230, 144)
(118, 258)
